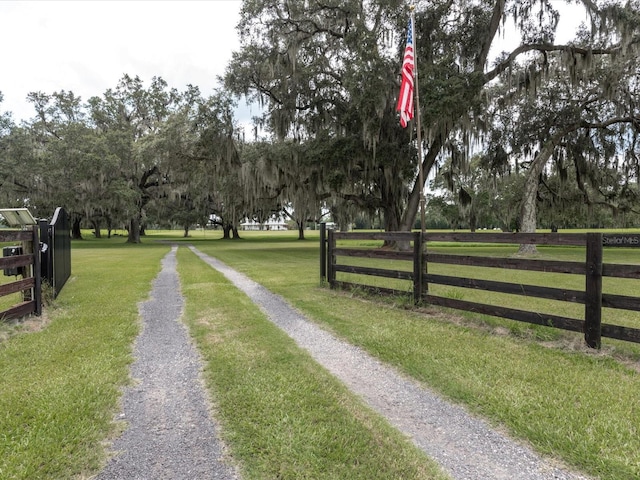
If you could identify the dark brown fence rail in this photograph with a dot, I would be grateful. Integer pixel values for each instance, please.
(27, 265)
(593, 269)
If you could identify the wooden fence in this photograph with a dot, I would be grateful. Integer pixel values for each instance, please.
(593, 269)
(26, 265)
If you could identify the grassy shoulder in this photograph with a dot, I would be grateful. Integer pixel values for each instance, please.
(581, 407)
(283, 415)
(59, 386)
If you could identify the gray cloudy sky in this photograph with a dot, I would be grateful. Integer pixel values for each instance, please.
(86, 47)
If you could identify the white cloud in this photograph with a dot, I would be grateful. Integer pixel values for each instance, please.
(86, 47)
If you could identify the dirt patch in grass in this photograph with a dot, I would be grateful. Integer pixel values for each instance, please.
(30, 324)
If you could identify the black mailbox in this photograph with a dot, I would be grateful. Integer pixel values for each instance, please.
(10, 252)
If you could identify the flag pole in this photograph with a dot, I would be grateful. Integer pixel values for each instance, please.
(418, 120)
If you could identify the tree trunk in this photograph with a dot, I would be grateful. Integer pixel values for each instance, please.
(96, 229)
(134, 231)
(186, 231)
(528, 212)
(392, 221)
(234, 233)
(226, 231)
(473, 219)
(413, 203)
(76, 233)
(300, 230)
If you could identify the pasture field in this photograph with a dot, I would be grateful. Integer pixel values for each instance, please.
(59, 385)
(539, 383)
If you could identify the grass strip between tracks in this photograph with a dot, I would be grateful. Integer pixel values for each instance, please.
(283, 415)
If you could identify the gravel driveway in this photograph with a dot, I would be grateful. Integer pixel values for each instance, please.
(170, 432)
(464, 445)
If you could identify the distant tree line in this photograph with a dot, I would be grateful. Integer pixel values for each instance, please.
(540, 135)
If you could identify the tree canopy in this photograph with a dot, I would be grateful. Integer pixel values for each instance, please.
(529, 136)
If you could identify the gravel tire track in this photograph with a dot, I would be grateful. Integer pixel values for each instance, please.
(170, 433)
(464, 445)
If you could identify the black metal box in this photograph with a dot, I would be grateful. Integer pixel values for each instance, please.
(10, 252)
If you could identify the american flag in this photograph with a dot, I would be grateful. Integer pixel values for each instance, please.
(405, 100)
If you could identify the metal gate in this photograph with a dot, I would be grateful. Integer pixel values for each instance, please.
(56, 250)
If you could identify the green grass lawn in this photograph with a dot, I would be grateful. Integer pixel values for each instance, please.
(59, 386)
(283, 415)
(578, 405)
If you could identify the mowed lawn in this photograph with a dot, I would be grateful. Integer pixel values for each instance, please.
(580, 406)
(60, 383)
(283, 416)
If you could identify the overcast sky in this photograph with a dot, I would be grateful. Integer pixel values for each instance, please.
(86, 47)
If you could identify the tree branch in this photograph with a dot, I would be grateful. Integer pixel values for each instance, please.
(612, 121)
(546, 47)
(494, 24)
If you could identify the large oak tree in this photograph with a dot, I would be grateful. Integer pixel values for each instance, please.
(327, 70)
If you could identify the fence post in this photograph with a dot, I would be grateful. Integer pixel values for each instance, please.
(424, 268)
(331, 259)
(593, 291)
(323, 252)
(417, 268)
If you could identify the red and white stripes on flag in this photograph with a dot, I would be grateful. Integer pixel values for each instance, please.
(405, 100)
